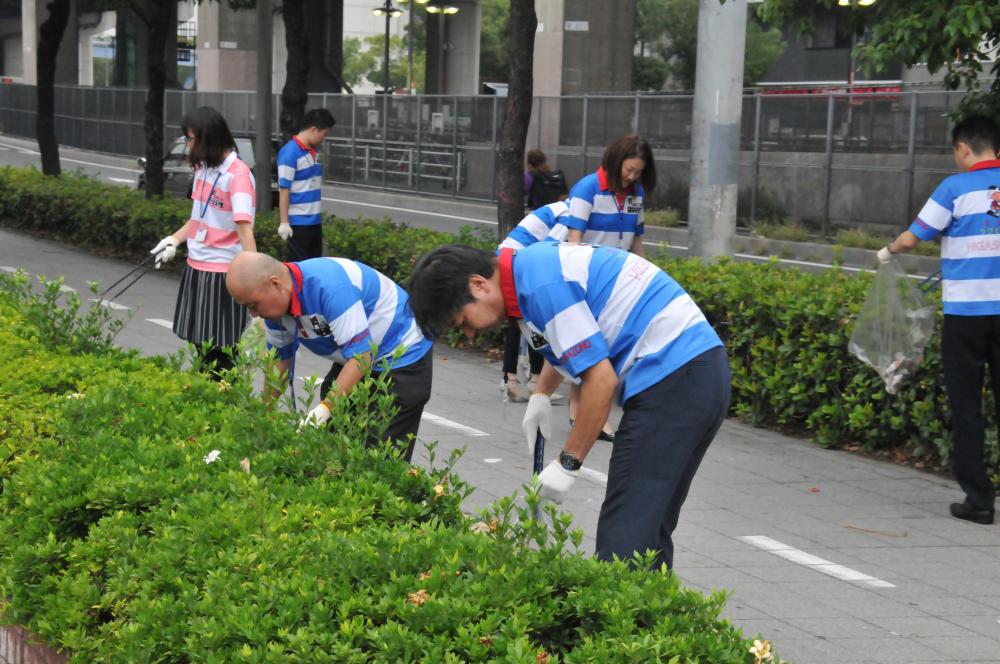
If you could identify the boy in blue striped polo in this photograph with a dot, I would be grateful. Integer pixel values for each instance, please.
(626, 330)
(299, 178)
(347, 312)
(964, 211)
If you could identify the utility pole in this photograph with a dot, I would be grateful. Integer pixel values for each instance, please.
(715, 127)
(262, 140)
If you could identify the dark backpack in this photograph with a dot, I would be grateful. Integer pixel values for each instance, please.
(546, 187)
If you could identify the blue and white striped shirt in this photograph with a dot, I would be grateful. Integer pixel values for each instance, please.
(581, 304)
(965, 211)
(342, 308)
(545, 223)
(596, 211)
(302, 175)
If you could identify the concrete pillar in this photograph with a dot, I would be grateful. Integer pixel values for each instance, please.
(547, 66)
(29, 41)
(462, 50)
(227, 48)
(33, 14)
(453, 43)
(91, 25)
(715, 127)
(583, 46)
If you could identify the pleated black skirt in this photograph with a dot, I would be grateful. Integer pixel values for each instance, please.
(206, 312)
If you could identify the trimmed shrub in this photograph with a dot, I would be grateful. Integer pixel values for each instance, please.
(116, 221)
(156, 515)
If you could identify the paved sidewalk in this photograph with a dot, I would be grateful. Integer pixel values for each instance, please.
(870, 517)
(860, 560)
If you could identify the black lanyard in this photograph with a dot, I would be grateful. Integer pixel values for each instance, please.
(621, 214)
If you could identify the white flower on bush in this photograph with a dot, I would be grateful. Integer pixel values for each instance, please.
(212, 456)
(75, 395)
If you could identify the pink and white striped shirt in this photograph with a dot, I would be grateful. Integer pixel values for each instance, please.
(223, 197)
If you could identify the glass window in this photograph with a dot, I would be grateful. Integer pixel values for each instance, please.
(176, 155)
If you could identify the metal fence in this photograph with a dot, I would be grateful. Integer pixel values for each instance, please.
(829, 160)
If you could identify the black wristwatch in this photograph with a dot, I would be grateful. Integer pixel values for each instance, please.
(569, 461)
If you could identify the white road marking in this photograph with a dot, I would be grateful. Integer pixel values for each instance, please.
(111, 305)
(455, 426)
(122, 180)
(7, 268)
(492, 460)
(66, 289)
(400, 209)
(91, 163)
(18, 148)
(72, 161)
(814, 562)
(161, 322)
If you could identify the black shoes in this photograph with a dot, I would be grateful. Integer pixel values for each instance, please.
(604, 435)
(968, 513)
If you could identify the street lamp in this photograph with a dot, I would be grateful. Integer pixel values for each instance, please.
(441, 7)
(850, 53)
(389, 12)
(409, 70)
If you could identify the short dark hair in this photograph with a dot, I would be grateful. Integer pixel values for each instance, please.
(626, 147)
(439, 284)
(536, 158)
(319, 118)
(212, 137)
(979, 132)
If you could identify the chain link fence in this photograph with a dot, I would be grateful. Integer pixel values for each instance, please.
(830, 160)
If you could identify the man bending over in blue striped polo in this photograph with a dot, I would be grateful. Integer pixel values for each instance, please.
(626, 330)
(341, 309)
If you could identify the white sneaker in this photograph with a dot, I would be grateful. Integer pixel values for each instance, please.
(555, 399)
(516, 392)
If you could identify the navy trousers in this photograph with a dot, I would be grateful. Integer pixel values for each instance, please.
(968, 345)
(659, 445)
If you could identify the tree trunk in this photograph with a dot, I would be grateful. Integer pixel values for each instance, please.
(170, 54)
(295, 94)
(49, 38)
(156, 15)
(517, 115)
(122, 40)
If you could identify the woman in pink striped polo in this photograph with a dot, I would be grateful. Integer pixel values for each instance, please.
(221, 226)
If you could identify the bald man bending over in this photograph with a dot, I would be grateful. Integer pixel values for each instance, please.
(342, 310)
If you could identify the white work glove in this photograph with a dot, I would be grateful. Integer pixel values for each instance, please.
(165, 251)
(537, 417)
(285, 231)
(556, 482)
(316, 417)
(884, 255)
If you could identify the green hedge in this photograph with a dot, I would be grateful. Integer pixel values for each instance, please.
(119, 543)
(786, 330)
(117, 221)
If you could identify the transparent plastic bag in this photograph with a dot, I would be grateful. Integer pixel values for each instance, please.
(893, 326)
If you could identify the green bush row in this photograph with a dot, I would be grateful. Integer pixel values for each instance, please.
(786, 330)
(787, 333)
(120, 542)
(117, 221)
